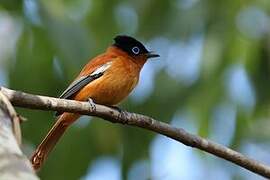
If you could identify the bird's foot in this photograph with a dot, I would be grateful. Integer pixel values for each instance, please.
(122, 116)
(92, 104)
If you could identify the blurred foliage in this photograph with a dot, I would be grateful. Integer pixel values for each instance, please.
(54, 39)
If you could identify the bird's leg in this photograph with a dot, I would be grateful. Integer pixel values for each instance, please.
(122, 113)
(92, 104)
(116, 108)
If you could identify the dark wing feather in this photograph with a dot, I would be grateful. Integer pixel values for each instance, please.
(83, 81)
(78, 85)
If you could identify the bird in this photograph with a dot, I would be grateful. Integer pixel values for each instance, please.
(107, 79)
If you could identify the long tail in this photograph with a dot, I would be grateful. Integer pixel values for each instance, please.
(48, 143)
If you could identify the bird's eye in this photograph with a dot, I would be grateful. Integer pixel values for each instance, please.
(135, 50)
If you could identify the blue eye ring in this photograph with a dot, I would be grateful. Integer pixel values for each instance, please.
(135, 50)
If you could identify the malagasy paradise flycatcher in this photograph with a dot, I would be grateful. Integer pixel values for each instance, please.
(107, 79)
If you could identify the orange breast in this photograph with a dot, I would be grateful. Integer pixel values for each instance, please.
(115, 85)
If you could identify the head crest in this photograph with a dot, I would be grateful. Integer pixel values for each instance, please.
(130, 45)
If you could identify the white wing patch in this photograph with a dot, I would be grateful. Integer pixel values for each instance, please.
(101, 69)
(84, 80)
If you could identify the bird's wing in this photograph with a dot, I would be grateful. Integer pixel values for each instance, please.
(82, 81)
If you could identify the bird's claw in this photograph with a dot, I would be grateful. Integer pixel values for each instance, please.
(123, 116)
(92, 104)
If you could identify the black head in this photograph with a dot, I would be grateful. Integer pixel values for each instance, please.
(132, 46)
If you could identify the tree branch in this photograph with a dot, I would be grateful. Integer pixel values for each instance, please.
(13, 163)
(48, 103)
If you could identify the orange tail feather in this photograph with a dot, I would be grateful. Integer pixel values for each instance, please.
(48, 143)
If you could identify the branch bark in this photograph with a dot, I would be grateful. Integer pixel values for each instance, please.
(26, 100)
(13, 163)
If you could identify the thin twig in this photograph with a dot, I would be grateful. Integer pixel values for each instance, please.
(48, 103)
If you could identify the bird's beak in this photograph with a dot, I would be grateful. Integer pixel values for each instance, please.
(151, 54)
